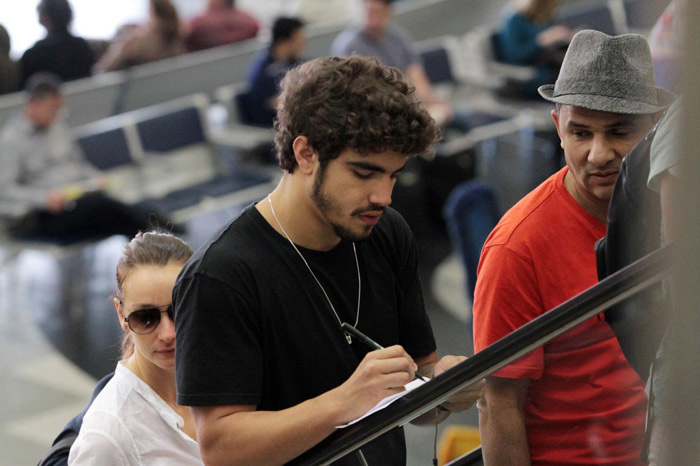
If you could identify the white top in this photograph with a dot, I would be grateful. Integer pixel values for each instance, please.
(665, 155)
(129, 424)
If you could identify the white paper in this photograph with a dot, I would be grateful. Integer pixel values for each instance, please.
(386, 401)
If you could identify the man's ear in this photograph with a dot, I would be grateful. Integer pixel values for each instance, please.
(120, 313)
(555, 117)
(304, 154)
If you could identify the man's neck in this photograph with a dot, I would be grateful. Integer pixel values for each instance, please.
(279, 53)
(291, 212)
(595, 207)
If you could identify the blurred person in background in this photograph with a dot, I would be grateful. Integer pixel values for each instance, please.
(60, 52)
(160, 37)
(530, 37)
(269, 67)
(56, 192)
(222, 23)
(8, 67)
(377, 36)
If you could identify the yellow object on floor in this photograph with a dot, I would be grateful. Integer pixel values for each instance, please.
(456, 441)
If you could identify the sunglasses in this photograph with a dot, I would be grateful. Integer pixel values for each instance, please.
(146, 320)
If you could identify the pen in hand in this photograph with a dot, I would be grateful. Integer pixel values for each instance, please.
(369, 342)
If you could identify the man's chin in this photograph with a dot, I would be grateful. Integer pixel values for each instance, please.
(604, 194)
(348, 234)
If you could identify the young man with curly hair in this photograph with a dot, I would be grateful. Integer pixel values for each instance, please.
(262, 358)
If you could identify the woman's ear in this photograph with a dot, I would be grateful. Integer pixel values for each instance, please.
(120, 313)
(304, 154)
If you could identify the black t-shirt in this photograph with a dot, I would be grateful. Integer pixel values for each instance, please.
(253, 327)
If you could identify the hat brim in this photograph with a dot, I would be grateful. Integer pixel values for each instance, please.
(608, 104)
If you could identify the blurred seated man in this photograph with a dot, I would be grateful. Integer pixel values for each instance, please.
(60, 52)
(269, 67)
(44, 176)
(222, 23)
(392, 46)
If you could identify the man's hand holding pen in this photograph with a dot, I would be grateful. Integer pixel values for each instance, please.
(461, 401)
(381, 373)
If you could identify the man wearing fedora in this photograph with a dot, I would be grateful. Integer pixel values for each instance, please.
(575, 400)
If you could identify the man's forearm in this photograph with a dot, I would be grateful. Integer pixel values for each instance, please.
(503, 437)
(239, 435)
(265, 438)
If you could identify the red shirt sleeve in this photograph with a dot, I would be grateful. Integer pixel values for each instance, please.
(506, 297)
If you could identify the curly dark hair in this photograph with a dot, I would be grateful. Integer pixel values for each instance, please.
(350, 103)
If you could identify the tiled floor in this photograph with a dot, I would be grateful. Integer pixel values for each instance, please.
(40, 388)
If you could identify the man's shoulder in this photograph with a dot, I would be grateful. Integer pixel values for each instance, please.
(16, 129)
(348, 40)
(231, 243)
(528, 217)
(37, 48)
(259, 64)
(76, 41)
(399, 33)
(261, 56)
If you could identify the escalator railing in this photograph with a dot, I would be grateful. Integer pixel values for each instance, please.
(614, 289)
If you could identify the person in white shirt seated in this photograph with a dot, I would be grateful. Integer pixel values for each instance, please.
(135, 419)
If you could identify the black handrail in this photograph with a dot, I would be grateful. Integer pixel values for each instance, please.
(614, 289)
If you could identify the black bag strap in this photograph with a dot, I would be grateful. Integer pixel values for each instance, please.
(59, 451)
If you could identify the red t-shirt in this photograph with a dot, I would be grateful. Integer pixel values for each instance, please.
(585, 404)
(220, 26)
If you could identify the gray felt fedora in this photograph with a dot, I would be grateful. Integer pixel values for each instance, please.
(608, 73)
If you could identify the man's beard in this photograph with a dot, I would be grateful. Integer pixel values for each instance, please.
(327, 205)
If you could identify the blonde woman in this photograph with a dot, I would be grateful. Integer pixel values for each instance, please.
(135, 420)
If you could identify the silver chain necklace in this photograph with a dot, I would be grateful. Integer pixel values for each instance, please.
(357, 264)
